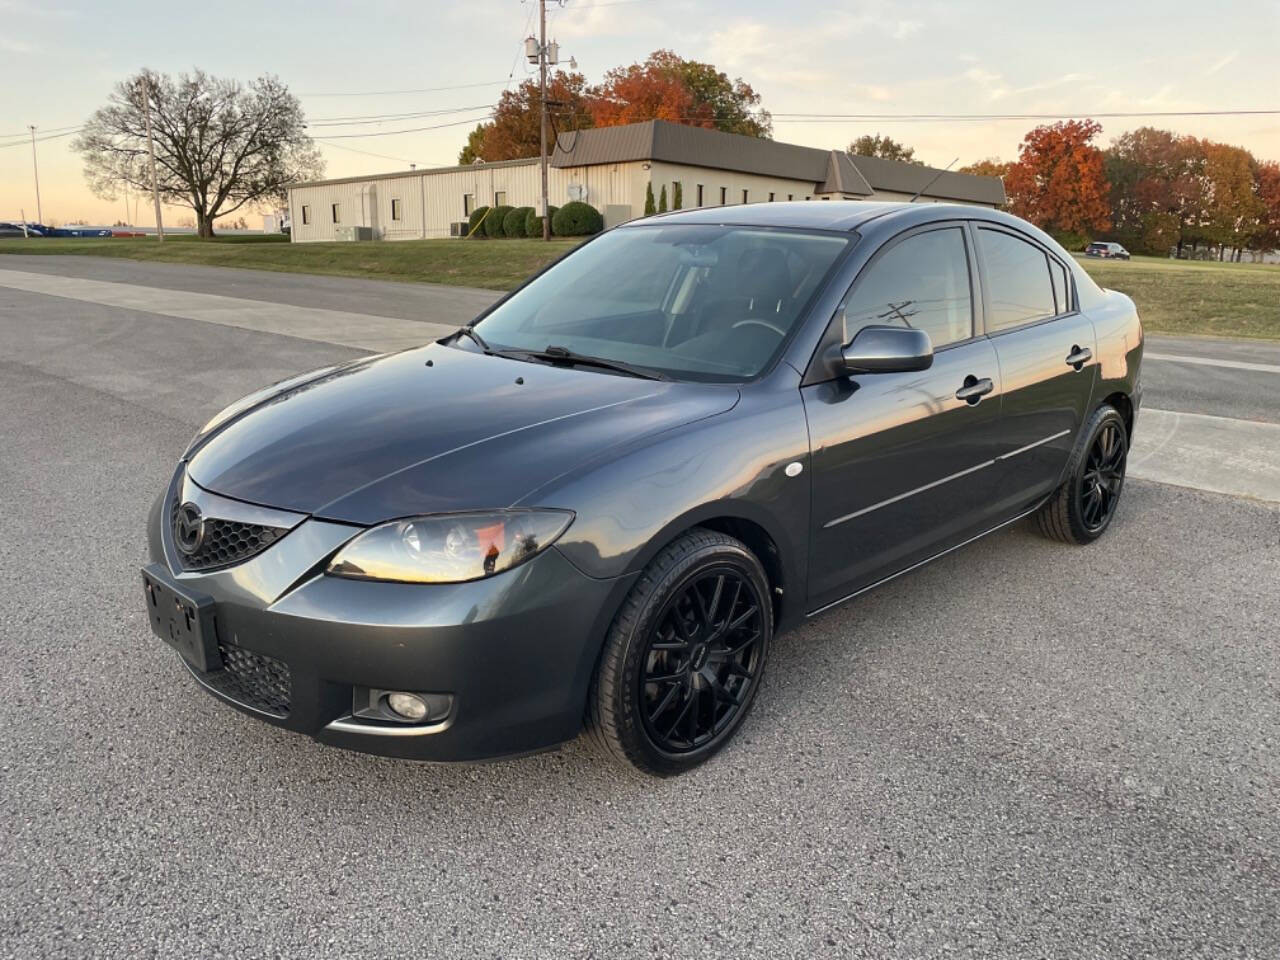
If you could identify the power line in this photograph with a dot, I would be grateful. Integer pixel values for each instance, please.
(392, 93)
(387, 117)
(56, 136)
(370, 153)
(963, 117)
(392, 133)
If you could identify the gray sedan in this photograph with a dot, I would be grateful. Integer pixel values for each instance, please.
(597, 504)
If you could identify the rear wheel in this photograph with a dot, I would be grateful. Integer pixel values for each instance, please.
(684, 657)
(1083, 507)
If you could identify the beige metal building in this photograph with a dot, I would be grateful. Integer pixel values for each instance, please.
(610, 168)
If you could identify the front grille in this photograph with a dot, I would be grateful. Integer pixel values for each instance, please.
(252, 679)
(225, 542)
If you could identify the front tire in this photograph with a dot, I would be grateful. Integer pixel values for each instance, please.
(684, 657)
(1084, 506)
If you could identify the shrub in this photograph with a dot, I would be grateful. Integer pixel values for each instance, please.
(677, 196)
(493, 225)
(533, 222)
(513, 223)
(662, 200)
(649, 208)
(477, 215)
(577, 219)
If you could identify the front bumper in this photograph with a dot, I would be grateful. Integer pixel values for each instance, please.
(515, 652)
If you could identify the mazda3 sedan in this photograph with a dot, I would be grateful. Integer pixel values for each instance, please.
(598, 503)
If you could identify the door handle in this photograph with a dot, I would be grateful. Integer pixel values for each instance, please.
(1079, 356)
(974, 389)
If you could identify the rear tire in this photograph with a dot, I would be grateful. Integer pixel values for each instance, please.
(1082, 509)
(684, 657)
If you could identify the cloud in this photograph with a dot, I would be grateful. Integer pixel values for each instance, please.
(593, 20)
(1222, 63)
(992, 83)
(1061, 81)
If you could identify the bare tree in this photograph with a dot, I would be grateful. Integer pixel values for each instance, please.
(220, 145)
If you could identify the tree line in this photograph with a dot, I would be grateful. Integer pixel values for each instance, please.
(1155, 191)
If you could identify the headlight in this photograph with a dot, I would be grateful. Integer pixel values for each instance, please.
(450, 548)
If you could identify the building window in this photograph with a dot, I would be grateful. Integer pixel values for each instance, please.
(336, 213)
(699, 194)
(500, 198)
(744, 197)
(306, 213)
(397, 209)
(468, 204)
(771, 196)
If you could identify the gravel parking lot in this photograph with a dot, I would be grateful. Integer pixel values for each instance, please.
(1021, 750)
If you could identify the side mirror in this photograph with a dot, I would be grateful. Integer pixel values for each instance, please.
(886, 349)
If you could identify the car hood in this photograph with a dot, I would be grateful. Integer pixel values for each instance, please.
(433, 429)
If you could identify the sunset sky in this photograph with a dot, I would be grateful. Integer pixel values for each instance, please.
(351, 60)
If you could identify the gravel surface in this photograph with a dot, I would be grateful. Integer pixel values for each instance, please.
(1022, 750)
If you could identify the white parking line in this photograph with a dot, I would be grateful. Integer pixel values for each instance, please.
(359, 330)
(1214, 362)
(1219, 454)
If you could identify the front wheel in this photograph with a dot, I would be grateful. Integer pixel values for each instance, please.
(684, 656)
(1083, 507)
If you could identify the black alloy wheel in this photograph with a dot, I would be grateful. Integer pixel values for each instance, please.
(1103, 476)
(1084, 506)
(685, 655)
(702, 660)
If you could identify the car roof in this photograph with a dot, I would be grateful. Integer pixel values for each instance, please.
(824, 214)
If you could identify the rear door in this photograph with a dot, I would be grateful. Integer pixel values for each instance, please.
(900, 463)
(1046, 348)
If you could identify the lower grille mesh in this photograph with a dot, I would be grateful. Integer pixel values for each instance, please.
(253, 679)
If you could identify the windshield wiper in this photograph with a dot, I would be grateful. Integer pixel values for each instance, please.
(557, 354)
(468, 332)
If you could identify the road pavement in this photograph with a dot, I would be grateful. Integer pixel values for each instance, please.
(1024, 749)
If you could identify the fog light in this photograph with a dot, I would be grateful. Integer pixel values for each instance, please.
(407, 705)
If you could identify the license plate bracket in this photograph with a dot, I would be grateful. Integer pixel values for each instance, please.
(182, 618)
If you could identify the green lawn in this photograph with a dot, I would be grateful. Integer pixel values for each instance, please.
(1197, 297)
(496, 264)
(1173, 296)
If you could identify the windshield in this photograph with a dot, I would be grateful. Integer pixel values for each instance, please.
(688, 301)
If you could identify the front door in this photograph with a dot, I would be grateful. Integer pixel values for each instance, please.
(901, 463)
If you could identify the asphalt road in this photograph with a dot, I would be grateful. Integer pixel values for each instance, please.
(1021, 750)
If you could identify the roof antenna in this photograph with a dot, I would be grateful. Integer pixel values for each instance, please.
(933, 181)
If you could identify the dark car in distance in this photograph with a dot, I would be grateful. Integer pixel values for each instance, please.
(1108, 250)
(597, 504)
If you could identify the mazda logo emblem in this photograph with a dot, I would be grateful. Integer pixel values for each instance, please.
(188, 528)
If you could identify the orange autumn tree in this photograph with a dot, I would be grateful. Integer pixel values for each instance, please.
(664, 87)
(515, 130)
(1058, 181)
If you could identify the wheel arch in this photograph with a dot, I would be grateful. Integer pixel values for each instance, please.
(763, 536)
(1124, 406)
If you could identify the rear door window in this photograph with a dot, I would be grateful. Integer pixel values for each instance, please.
(1061, 286)
(922, 282)
(1018, 281)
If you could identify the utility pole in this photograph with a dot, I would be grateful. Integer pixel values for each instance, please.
(35, 168)
(542, 101)
(151, 152)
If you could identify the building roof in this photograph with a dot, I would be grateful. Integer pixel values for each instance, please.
(898, 177)
(832, 171)
(479, 165)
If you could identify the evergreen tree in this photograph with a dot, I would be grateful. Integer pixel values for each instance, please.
(662, 200)
(677, 196)
(649, 208)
